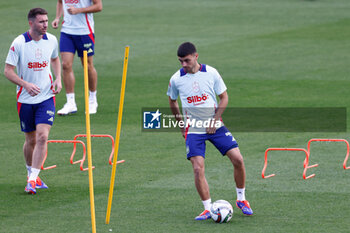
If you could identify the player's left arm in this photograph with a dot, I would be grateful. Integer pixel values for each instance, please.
(219, 111)
(95, 7)
(222, 105)
(56, 67)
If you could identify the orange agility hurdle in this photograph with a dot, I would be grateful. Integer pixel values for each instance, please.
(330, 140)
(99, 136)
(288, 149)
(81, 161)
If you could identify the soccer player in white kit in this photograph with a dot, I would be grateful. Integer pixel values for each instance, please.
(32, 53)
(197, 85)
(77, 34)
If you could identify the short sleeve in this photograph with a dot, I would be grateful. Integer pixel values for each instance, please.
(219, 85)
(13, 54)
(172, 92)
(55, 48)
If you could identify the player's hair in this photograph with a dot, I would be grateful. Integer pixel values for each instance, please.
(36, 11)
(185, 49)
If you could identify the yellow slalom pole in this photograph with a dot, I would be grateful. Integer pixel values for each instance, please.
(117, 137)
(88, 139)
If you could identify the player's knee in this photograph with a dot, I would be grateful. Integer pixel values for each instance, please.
(41, 138)
(30, 141)
(238, 162)
(236, 159)
(91, 67)
(67, 66)
(198, 170)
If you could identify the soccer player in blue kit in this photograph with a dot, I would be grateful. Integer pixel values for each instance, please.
(33, 53)
(198, 85)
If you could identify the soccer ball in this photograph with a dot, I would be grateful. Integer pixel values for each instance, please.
(221, 211)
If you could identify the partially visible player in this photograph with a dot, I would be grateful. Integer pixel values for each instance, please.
(32, 54)
(198, 85)
(77, 34)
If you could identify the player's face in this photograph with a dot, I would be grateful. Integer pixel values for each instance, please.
(189, 62)
(39, 25)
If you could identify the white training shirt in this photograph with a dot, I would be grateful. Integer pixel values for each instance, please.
(197, 93)
(32, 60)
(79, 24)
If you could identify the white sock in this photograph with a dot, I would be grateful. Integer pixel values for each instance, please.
(34, 174)
(207, 204)
(70, 98)
(92, 96)
(29, 170)
(240, 194)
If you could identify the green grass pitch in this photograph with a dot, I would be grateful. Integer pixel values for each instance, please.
(271, 53)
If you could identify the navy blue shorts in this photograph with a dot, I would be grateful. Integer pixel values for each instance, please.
(222, 140)
(72, 43)
(32, 114)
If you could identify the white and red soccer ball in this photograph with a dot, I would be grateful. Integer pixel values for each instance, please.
(221, 211)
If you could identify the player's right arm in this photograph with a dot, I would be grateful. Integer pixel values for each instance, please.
(11, 75)
(59, 13)
(173, 94)
(94, 8)
(174, 106)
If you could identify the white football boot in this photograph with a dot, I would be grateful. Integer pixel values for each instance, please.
(68, 108)
(93, 107)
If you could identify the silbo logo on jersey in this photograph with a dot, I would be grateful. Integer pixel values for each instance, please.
(37, 66)
(197, 99)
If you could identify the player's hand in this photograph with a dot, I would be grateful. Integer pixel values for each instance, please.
(73, 11)
(211, 129)
(57, 86)
(55, 23)
(32, 89)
